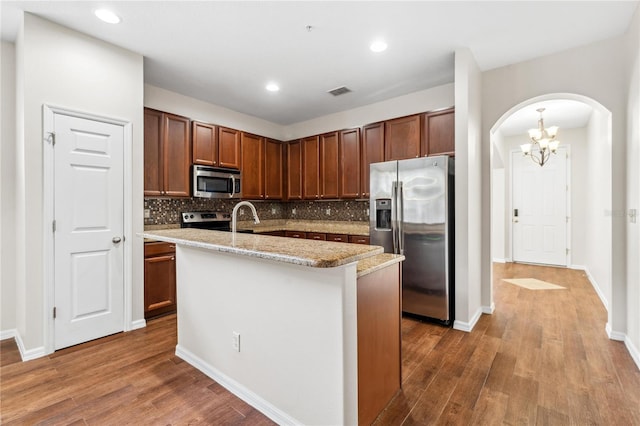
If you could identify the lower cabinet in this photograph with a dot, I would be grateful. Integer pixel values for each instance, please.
(159, 279)
(295, 234)
(359, 239)
(316, 236)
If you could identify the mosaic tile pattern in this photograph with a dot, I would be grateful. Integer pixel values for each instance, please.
(166, 211)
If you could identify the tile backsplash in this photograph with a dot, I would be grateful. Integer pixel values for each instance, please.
(164, 211)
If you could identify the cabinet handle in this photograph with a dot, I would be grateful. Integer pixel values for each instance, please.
(172, 246)
(173, 258)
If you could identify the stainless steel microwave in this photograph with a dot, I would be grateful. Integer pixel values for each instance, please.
(216, 182)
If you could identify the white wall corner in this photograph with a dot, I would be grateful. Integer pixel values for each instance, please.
(141, 323)
(635, 353)
(615, 335)
(489, 309)
(8, 334)
(468, 326)
(28, 355)
(596, 287)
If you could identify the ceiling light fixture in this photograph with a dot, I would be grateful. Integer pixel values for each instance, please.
(543, 139)
(107, 16)
(272, 87)
(378, 46)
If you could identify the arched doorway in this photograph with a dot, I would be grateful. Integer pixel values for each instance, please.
(586, 126)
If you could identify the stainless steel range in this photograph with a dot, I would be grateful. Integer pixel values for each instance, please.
(217, 221)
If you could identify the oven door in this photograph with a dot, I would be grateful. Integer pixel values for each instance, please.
(209, 182)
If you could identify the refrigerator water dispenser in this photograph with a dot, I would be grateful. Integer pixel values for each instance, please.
(383, 214)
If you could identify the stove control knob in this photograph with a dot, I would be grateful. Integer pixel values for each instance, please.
(191, 216)
(186, 216)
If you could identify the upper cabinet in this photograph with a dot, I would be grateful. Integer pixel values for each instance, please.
(205, 143)
(167, 154)
(229, 154)
(273, 182)
(252, 167)
(349, 167)
(402, 138)
(372, 151)
(311, 168)
(329, 173)
(438, 133)
(294, 170)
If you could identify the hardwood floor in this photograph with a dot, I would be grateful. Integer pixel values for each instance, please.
(542, 358)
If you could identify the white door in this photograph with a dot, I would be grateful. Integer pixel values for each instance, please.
(88, 213)
(539, 216)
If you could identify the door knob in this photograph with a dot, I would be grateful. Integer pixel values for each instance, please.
(116, 240)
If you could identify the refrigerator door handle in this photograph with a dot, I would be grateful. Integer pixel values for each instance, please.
(401, 218)
(394, 216)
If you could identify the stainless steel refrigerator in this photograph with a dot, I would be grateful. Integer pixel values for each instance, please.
(411, 213)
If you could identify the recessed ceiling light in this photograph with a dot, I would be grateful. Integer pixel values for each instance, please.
(107, 16)
(272, 87)
(378, 46)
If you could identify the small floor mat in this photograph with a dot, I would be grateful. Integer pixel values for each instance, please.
(534, 284)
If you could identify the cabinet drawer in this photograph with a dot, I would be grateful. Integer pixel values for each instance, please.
(339, 238)
(158, 247)
(274, 233)
(316, 236)
(295, 234)
(359, 239)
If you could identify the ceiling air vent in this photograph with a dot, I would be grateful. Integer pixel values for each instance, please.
(339, 91)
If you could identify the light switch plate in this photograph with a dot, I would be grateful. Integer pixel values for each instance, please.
(147, 213)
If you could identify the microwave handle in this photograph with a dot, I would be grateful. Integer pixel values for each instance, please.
(233, 185)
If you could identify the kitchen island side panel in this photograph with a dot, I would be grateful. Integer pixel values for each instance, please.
(297, 326)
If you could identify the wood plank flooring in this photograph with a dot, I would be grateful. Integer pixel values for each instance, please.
(542, 358)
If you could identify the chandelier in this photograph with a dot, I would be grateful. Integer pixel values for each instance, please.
(543, 144)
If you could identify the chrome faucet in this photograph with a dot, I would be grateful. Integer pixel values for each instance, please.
(234, 215)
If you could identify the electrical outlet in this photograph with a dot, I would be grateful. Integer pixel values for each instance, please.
(328, 211)
(147, 213)
(241, 212)
(273, 211)
(366, 212)
(293, 211)
(235, 343)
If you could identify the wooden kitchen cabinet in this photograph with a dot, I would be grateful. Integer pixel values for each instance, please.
(294, 170)
(253, 163)
(349, 164)
(205, 143)
(329, 171)
(338, 238)
(167, 154)
(359, 239)
(229, 154)
(273, 171)
(372, 152)
(159, 278)
(319, 236)
(311, 168)
(438, 133)
(402, 138)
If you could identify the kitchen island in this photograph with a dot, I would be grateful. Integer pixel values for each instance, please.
(287, 325)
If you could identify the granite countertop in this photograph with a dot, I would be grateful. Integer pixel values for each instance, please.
(324, 226)
(377, 262)
(318, 254)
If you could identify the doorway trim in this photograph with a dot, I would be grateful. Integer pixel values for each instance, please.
(48, 114)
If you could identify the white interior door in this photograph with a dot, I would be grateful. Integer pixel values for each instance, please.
(88, 213)
(539, 215)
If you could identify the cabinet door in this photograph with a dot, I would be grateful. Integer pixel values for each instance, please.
(159, 285)
(438, 130)
(372, 151)
(229, 148)
(205, 144)
(153, 136)
(329, 147)
(177, 155)
(402, 138)
(294, 170)
(252, 167)
(338, 238)
(273, 170)
(295, 234)
(318, 236)
(349, 164)
(359, 239)
(310, 168)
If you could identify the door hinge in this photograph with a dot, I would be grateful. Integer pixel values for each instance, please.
(52, 138)
(53, 226)
(54, 312)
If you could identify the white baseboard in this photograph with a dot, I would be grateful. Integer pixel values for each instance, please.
(635, 353)
(8, 334)
(489, 309)
(141, 323)
(578, 267)
(237, 389)
(468, 326)
(497, 260)
(28, 355)
(596, 287)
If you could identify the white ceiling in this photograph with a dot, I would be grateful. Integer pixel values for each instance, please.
(225, 52)
(566, 114)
